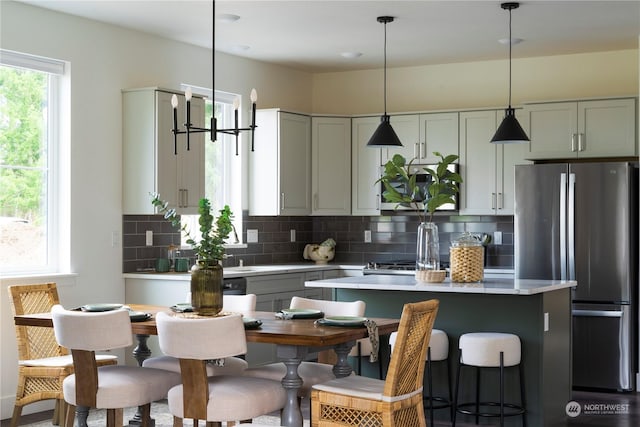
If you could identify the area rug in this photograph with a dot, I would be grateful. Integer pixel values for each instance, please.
(159, 412)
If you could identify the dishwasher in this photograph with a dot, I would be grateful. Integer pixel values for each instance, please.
(234, 286)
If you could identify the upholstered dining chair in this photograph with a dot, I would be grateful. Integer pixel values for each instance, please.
(220, 398)
(232, 365)
(107, 387)
(42, 363)
(310, 372)
(394, 402)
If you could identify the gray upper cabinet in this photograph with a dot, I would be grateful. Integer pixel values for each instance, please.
(487, 169)
(279, 168)
(149, 161)
(365, 167)
(422, 134)
(581, 129)
(331, 165)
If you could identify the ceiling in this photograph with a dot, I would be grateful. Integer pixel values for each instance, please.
(311, 35)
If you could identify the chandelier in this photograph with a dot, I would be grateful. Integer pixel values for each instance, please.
(189, 128)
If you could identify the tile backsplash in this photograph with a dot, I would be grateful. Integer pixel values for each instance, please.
(393, 237)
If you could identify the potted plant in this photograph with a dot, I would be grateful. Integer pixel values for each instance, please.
(400, 187)
(206, 274)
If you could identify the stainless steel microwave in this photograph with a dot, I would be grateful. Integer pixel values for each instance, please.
(423, 178)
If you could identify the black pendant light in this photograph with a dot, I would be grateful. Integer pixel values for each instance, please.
(384, 136)
(510, 131)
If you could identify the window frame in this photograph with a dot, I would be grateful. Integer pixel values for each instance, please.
(232, 178)
(57, 200)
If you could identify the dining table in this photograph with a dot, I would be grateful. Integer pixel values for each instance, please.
(295, 339)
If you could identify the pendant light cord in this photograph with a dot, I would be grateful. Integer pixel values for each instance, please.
(510, 46)
(385, 68)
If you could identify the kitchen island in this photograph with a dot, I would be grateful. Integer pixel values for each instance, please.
(538, 311)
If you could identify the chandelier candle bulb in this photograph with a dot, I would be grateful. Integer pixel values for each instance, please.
(174, 104)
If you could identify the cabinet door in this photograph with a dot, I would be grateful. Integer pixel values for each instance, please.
(166, 175)
(607, 128)
(508, 156)
(191, 163)
(279, 168)
(478, 162)
(331, 165)
(365, 167)
(295, 164)
(438, 132)
(552, 129)
(407, 127)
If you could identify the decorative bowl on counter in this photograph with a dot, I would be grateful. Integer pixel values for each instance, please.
(431, 276)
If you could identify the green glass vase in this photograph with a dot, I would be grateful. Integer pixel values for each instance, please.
(206, 288)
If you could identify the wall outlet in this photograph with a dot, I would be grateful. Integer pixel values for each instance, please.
(497, 237)
(367, 236)
(252, 236)
(293, 235)
(149, 238)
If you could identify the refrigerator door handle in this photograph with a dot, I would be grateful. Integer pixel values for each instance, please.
(563, 226)
(571, 232)
(597, 313)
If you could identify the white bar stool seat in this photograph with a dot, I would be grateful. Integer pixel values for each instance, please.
(438, 351)
(489, 350)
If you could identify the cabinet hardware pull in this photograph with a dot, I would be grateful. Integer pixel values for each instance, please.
(581, 142)
(493, 200)
(573, 142)
(500, 201)
(416, 149)
(281, 201)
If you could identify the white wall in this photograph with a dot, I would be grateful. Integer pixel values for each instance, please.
(105, 59)
(477, 84)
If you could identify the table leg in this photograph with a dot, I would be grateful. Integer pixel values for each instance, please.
(342, 368)
(82, 413)
(141, 352)
(291, 356)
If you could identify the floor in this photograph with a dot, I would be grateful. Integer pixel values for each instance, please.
(596, 411)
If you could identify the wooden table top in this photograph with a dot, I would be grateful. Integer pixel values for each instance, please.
(275, 331)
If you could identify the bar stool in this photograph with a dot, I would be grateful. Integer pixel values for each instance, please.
(438, 352)
(489, 350)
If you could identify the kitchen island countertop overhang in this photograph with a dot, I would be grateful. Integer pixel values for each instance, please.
(408, 283)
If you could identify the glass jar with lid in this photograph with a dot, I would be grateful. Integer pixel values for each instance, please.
(466, 259)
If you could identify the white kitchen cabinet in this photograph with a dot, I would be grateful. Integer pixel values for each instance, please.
(150, 163)
(487, 169)
(331, 165)
(422, 134)
(582, 129)
(279, 169)
(365, 167)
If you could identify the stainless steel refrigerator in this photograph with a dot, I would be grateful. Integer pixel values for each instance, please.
(579, 221)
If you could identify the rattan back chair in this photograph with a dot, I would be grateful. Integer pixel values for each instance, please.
(394, 402)
(42, 363)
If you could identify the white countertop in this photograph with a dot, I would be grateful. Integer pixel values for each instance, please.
(408, 283)
(246, 271)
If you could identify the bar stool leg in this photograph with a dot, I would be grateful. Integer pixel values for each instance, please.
(451, 407)
(477, 394)
(501, 389)
(430, 381)
(455, 397)
(524, 418)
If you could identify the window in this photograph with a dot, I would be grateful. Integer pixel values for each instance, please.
(222, 166)
(31, 198)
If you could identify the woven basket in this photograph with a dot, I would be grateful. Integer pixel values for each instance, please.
(431, 276)
(467, 264)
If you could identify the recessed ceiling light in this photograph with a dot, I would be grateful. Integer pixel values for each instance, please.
(514, 40)
(227, 17)
(351, 55)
